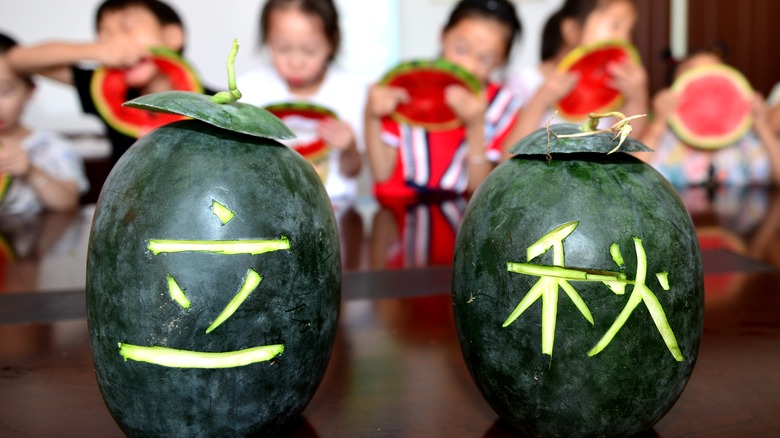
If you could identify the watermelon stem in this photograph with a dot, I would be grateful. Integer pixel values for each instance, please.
(232, 94)
(622, 128)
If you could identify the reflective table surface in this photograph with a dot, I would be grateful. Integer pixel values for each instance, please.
(396, 369)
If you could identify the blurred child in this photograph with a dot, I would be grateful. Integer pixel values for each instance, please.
(478, 36)
(752, 160)
(303, 38)
(45, 173)
(126, 30)
(578, 22)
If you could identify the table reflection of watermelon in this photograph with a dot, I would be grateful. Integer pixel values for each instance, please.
(425, 81)
(720, 287)
(5, 183)
(590, 63)
(7, 256)
(713, 109)
(109, 92)
(303, 118)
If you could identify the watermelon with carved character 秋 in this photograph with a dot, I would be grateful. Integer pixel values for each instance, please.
(213, 276)
(578, 288)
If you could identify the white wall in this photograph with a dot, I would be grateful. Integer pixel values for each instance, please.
(377, 34)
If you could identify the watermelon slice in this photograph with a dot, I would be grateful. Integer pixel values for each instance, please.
(5, 183)
(109, 92)
(425, 81)
(714, 107)
(593, 94)
(303, 118)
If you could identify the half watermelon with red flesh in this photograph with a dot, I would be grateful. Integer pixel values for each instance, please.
(109, 91)
(425, 82)
(714, 106)
(593, 92)
(303, 118)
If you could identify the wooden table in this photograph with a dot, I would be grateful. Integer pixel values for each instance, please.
(396, 369)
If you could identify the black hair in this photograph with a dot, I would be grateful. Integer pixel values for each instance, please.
(502, 11)
(6, 44)
(578, 10)
(719, 50)
(165, 14)
(325, 10)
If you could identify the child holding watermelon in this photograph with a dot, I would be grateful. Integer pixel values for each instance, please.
(409, 161)
(578, 23)
(127, 31)
(38, 169)
(322, 103)
(752, 159)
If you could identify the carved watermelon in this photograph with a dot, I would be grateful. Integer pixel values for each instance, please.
(425, 81)
(577, 288)
(590, 63)
(109, 92)
(714, 107)
(213, 275)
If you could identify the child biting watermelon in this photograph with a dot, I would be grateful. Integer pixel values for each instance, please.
(127, 32)
(38, 169)
(749, 160)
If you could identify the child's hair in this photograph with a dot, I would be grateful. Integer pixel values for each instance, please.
(6, 44)
(578, 10)
(165, 14)
(719, 50)
(502, 11)
(325, 10)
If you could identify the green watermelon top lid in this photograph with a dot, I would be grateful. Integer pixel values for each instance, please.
(568, 138)
(714, 107)
(425, 82)
(593, 92)
(221, 110)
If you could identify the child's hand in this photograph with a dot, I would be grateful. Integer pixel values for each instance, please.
(469, 108)
(382, 100)
(759, 108)
(557, 86)
(336, 133)
(664, 103)
(119, 52)
(629, 79)
(14, 160)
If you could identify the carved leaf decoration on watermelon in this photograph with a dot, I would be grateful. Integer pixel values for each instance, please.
(109, 91)
(593, 93)
(567, 138)
(425, 81)
(221, 110)
(714, 106)
(302, 118)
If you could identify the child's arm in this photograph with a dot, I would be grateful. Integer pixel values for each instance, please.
(631, 80)
(470, 109)
(763, 129)
(531, 115)
(54, 194)
(339, 135)
(381, 102)
(55, 60)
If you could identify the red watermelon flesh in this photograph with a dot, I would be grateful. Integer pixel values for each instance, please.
(303, 118)
(109, 91)
(425, 82)
(714, 106)
(593, 93)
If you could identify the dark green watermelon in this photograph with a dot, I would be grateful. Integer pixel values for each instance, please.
(572, 234)
(213, 277)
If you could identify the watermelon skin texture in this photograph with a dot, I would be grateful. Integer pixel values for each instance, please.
(163, 188)
(635, 380)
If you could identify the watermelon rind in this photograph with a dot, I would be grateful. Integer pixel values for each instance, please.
(5, 183)
(123, 122)
(440, 65)
(546, 141)
(711, 142)
(306, 109)
(234, 116)
(576, 56)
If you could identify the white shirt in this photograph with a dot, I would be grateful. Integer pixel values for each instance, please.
(53, 154)
(343, 93)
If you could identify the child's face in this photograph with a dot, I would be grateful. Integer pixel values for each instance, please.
(14, 94)
(614, 20)
(476, 44)
(139, 26)
(697, 61)
(298, 45)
